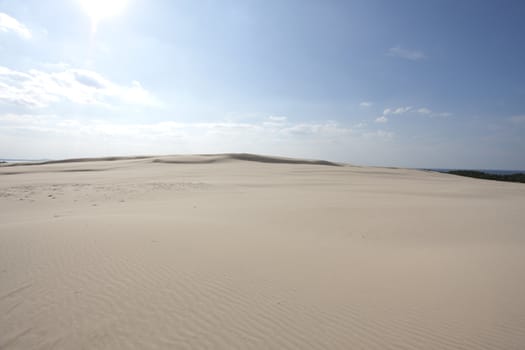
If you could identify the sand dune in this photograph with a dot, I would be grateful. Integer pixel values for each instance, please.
(239, 251)
(76, 160)
(187, 159)
(215, 158)
(177, 159)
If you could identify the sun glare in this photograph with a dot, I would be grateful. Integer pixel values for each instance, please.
(98, 10)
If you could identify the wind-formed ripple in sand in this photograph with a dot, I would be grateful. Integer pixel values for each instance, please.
(132, 300)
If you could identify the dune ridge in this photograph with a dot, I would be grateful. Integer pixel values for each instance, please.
(215, 158)
(74, 160)
(185, 159)
(175, 159)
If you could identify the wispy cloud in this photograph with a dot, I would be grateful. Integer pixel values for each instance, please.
(38, 89)
(52, 136)
(277, 118)
(424, 111)
(10, 24)
(413, 55)
(382, 119)
(398, 110)
(282, 129)
(365, 104)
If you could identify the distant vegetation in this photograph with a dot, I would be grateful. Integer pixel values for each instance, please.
(517, 177)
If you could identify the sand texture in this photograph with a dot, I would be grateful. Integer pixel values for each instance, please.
(252, 252)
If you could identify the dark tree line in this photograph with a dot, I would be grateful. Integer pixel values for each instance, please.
(517, 177)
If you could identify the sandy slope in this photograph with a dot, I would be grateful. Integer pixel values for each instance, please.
(237, 252)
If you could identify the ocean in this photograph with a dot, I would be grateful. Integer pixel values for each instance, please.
(487, 171)
(11, 160)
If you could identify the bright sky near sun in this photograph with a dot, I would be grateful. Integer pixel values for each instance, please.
(438, 83)
(98, 10)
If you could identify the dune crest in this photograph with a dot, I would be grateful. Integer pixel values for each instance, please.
(186, 159)
(215, 158)
(75, 160)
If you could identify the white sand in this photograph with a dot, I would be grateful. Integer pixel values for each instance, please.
(219, 252)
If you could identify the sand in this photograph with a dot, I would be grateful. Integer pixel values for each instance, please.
(242, 252)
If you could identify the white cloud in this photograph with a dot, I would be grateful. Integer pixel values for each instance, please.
(402, 110)
(413, 55)
(10, 24)
(424, 111)
(312, 129)
(399, 110)
(37, 89)
(275, 121)
(48, 136)
(392, 111)
(62, 125)
(365, 104)
(277, 118)
(26, 119)
(410, 110)
(381, 119)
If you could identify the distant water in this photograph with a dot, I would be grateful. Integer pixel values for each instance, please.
(487, 171)
(11, 160)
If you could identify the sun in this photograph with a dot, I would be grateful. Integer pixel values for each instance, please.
(99, 10)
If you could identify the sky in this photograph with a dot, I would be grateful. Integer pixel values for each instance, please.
(407, 83)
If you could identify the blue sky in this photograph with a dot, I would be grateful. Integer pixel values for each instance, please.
(395, 83)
